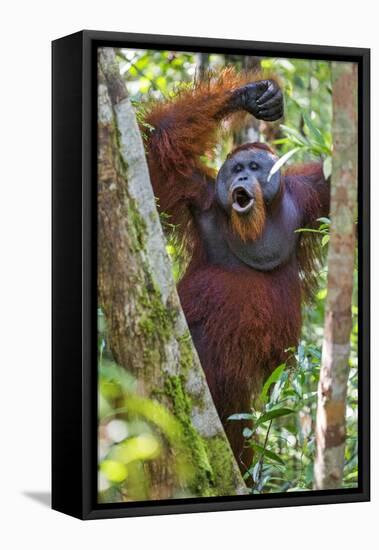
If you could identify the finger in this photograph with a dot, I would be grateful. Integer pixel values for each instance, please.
(272, 117)
(272, 114)
(272, 89)
(275, 101)
(260, 86)
(270, 110)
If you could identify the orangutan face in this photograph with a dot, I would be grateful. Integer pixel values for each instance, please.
(244, 188)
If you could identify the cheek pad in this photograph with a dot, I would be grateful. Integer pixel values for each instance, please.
(222, 192)
(271, 188)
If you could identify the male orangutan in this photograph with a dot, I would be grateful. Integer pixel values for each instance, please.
(242, 290)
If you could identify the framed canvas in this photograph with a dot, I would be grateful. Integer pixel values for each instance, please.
(210, 275)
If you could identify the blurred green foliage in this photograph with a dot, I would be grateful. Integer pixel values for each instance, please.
(135, 431)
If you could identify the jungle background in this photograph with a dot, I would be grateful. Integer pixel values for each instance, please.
(132, 430)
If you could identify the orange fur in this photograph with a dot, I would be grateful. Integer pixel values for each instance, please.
(194, 113)
(255, 145)
(186, 129)
(250, 226)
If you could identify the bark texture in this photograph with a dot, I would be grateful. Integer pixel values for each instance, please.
(331, 410)
(146, 327)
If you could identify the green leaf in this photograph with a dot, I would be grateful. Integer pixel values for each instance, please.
(141, 447)
(267, 453)
(291, 132)
(111, 372)
(274, 398)
(115, 471)
(325, 240)
(280, 141)
(241, 416)
(281, 161)
(314, 130)
(318, 149)
(256, 471)
(274, 377)
(307, 230)
(327, 167)
(274, 413)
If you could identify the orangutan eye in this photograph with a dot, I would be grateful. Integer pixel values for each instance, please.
(254, 166)
(238, 168)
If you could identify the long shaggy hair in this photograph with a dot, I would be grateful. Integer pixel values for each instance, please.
(247, 320)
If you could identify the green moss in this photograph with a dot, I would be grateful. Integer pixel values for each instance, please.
(186, 352)
(137, 226)
(222, 463)
(147, 324)
(157, 321)
(154, 216)
(192, 442)
(211, 458)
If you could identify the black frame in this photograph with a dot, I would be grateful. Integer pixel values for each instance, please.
(74, 387)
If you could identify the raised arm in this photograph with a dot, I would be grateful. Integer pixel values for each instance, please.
(311, 191)
(184, 129)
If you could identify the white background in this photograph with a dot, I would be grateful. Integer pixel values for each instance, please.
(26, 31)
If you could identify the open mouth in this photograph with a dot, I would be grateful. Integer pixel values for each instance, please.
(242, 200)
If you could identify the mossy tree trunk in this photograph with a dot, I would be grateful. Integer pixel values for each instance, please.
(146, 327)
(332, 390)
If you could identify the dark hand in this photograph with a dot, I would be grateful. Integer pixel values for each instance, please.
(263, 99)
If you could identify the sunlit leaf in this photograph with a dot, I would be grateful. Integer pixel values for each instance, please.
(294, 134)
(241, 416)
(327, 167)
(280, 162)
(314, 130)
(113, 470)
(142, 447)
(325, 240)
(274, 377)
(324, 220)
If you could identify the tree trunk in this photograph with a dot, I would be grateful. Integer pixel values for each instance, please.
(203, 64)
(332, 390)
(146, 327)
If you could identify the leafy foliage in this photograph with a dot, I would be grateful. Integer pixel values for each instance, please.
(133, 431)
